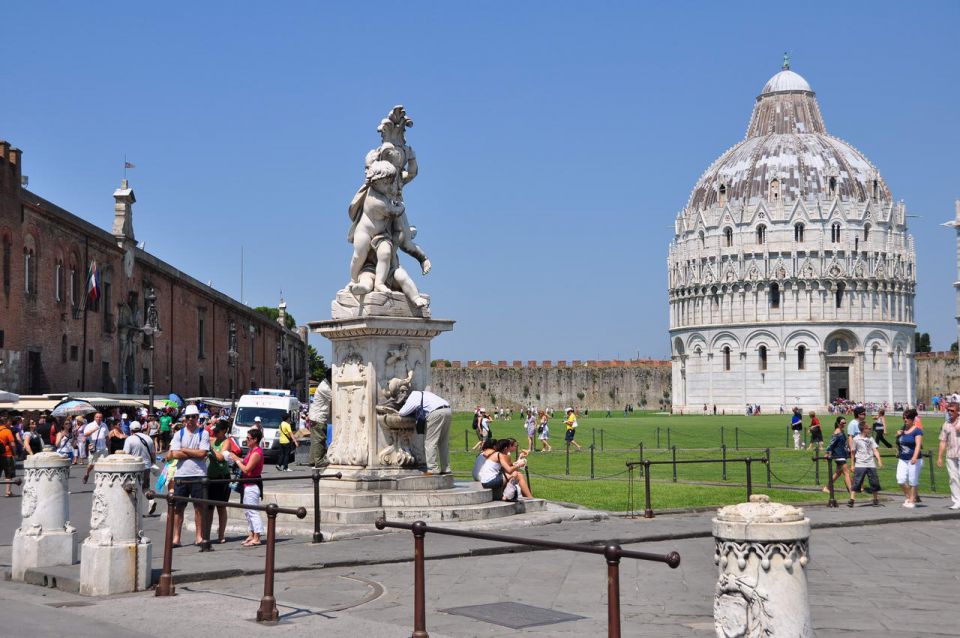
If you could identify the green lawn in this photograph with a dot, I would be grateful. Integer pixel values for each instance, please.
(617, 440)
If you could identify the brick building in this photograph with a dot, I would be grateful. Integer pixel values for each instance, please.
(51, 341)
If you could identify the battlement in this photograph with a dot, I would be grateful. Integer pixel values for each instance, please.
(561, 363)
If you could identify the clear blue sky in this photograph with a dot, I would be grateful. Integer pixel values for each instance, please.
(556, 141)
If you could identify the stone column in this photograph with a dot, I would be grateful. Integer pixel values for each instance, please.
(762, 551)
(369, 351)
(115, 557)
(45, 536)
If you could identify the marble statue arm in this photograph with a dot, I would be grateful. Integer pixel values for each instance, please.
(412, 168)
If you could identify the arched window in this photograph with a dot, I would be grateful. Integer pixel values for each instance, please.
(866, 232)
(798, 232)
(723, 194)
(716, 296)
(763, 357)
(728, 236)
(74, 286)
(761, 234)
(839, 294)
(63, 349)
(6, 264)
(837, 346)
(28, 265)
(835, 233)
(774, 295)
(726, 358)
(58, 281)
(774, 190)
(876, 189)
(801, 357)
(875, 351)
(832, 187)
(703, 241)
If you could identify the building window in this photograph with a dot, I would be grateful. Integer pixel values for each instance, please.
(6, 264)
(703, 241)
(866, 232)
(728, 236)
(798, 233)
(726, 358)
(203, 386)
(763, 357)
(774, 295)
(201, 336)
(761, 234)
(774, 190)
(74, 293)
(875, 350)
(63, 349)
(835, 233)
(74, 353)
(839, 294)
(723, 194)
(832, 187)
(27, 271)
(802, 358)
(58, 281)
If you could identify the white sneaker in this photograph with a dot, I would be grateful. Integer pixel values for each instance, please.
(955, 506)
(909, 504)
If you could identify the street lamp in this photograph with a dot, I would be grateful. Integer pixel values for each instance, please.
(233, 356)
(152, 329)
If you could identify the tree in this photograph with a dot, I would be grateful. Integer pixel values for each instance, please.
(318, 368)
(921, 342)
(953, 348)
(274, 314)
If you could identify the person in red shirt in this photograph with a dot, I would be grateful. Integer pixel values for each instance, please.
(8, 453)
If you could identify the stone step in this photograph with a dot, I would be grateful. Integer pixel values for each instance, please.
(411, 512)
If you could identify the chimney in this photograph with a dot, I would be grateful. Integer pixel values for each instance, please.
(123, 213)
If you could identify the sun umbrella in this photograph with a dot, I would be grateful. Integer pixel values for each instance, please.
(176, 402)
(8, 397)
(72, 407)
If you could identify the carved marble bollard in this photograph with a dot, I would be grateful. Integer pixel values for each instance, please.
(45, 536)
(115, 557)
(762, 551)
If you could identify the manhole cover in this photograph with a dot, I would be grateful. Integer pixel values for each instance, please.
(512, 615)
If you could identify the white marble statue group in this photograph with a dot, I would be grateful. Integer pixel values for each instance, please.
(379, 224)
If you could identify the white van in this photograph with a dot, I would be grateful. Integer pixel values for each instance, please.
(272, 406)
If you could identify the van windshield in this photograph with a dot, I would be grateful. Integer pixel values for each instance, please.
(269, 417)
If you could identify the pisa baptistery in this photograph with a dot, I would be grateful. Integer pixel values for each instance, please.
(791, 272)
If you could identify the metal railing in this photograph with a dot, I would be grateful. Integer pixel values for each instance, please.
(832, 499)
(646, 465)
(268, 603)
(612, 552)
(207, 513)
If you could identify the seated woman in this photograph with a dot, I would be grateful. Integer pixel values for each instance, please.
(488, 449)
(516, 481)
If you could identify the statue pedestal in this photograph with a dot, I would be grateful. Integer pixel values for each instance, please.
(115, 557)
(762, 554)
(376, 452)
(45, 536)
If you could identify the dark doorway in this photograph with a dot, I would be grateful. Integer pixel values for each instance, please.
(36, 379)
(839, 383)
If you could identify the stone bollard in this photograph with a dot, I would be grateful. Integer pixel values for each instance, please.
(762, 551)
(45, 536)
(115, 557)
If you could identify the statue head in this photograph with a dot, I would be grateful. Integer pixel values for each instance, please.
(393, 127)
(381, 174)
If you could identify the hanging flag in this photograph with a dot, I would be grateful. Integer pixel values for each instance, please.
(93, 282)
(129, 165)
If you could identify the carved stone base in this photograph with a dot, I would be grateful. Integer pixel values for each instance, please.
(43, 550)
(346, 305)
(115, 569)
(384, 479)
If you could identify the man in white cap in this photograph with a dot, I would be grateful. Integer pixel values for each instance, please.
(139, 444)
(125, 424)
(190, 447)
(258, 423)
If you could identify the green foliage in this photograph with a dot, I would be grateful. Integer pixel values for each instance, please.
(318, 368)
(274, 314)
(580, 395)
(483, 386)
(441, 363)
(953, 348)
(921, 342)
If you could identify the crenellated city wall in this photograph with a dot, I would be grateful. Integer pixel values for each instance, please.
(937, 372)
(594, 385)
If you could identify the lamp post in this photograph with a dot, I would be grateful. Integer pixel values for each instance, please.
(233, 356)
(152, 329)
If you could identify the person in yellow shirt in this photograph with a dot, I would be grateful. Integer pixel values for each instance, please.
(287, 445)
(571, 428)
